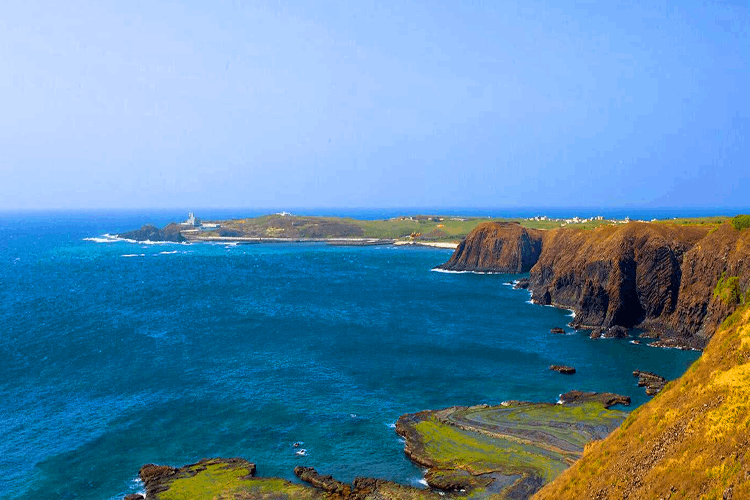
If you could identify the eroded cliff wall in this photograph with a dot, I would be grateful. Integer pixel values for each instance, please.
(503, 247)
(678, 282)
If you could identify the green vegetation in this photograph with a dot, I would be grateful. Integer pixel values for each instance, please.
(218, 480)
(740, 222)
(728, 289)
(472, 447)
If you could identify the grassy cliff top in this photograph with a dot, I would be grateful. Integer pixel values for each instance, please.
(420, 227)
(691, 441)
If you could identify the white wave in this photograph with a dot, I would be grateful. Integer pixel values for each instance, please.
(134, 255)
(169, 253)
(508, 283)
(461, 272)
(391, 425)
(301, 452)
(572, 313)
(530, 302)
(422, 482)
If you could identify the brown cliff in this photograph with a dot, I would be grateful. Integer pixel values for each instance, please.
(677, 281)
(505, 247)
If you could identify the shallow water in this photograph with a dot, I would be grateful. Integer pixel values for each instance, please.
(181, 352)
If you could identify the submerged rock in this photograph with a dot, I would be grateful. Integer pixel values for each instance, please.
(557, 330)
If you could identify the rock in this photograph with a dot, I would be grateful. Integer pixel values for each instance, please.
(156, 477)
(504, 247)
(615, 332)
(326, 483)
(521, 284)
(134, 496)
(565, 370)
(557, 330)
(651, 381)
(596, 333)
(159, 478)
(607, 399)
(495, 449)
(149, 232)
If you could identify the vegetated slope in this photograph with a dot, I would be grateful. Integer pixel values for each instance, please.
(497, 247)
(691, 441)
(676, 281)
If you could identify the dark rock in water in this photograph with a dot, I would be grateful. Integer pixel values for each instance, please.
(505, 247)
(134, 496)
(557, 329)
(521, 284)
(171, 232)
(607, 399)
(651, 381)
(615, 332)
(565, 370)
(326, 483)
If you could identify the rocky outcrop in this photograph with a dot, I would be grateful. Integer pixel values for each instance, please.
(613, 332)
(557, 330)
(607, 399)
(651, 381)
(503, 247)
(565, 370)
(170, 232)
(323, 482)
(504, 451)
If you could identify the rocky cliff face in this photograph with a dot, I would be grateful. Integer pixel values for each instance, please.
(171, 232)
(497, 247)
(678, 282)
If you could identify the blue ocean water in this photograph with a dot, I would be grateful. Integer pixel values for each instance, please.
(114, 355)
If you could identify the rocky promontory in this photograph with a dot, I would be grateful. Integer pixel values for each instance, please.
(170, 232)
(509, 450)
(503, 247)
(679, 282)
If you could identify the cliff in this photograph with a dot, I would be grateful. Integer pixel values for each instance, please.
(690, 441)
(679, 282)
(505, 247)
(170, 232)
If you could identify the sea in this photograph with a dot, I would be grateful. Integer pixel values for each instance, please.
(115, 354)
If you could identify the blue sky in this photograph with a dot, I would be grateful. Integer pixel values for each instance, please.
(366, 104)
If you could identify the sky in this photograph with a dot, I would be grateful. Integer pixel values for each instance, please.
(374, 104)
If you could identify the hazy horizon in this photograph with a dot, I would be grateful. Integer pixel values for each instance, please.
(410, 104)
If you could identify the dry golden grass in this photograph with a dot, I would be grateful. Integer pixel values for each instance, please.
(691, 441)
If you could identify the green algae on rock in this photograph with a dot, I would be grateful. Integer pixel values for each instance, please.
(234, 479)
(509, 450)
(219, 478)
